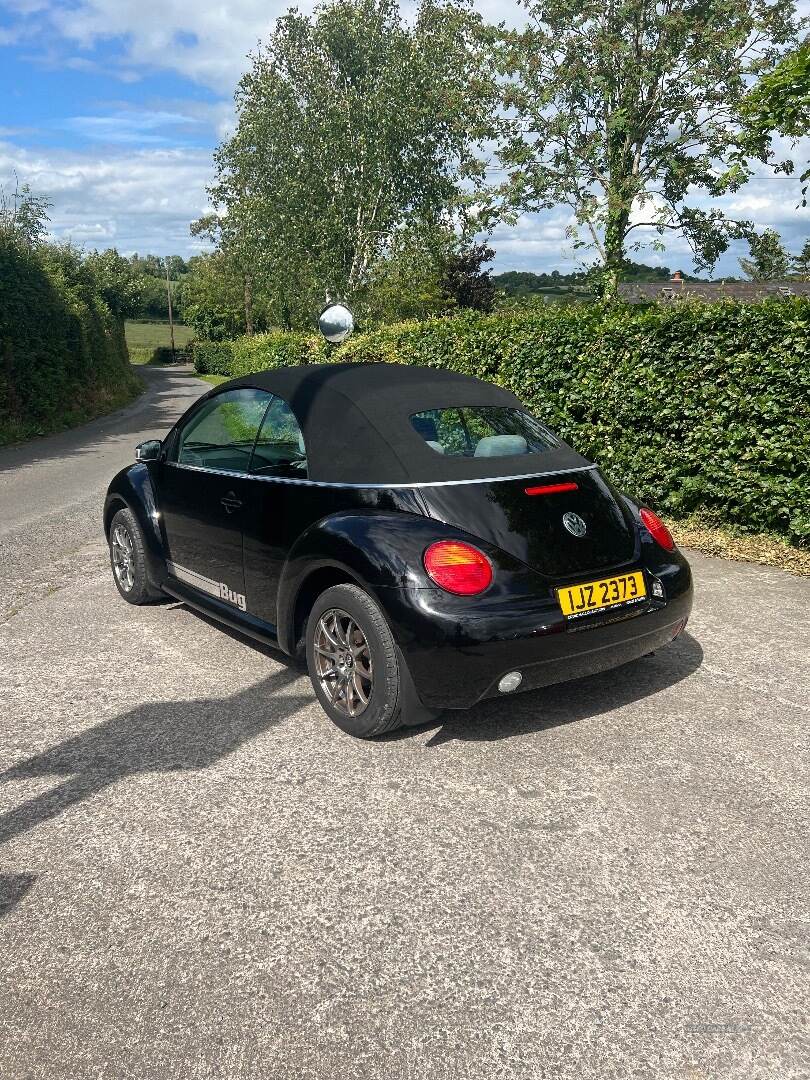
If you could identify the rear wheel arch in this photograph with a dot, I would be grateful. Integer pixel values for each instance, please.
(361, 664)
(311, 587)
(393, 699)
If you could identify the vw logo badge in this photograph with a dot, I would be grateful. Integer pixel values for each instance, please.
(574, 524)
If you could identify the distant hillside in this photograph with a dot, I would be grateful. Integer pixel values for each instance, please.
(526, 283)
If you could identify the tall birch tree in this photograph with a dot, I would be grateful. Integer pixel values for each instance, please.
(351, 125)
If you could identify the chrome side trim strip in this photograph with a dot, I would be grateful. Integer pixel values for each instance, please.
(380, 487)
(191, 577)
(219, 589)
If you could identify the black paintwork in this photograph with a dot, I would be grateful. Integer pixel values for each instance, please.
(279, 543)
(531, 528)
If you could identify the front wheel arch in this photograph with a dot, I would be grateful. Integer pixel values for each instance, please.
(132, 490)
(139, 589)
(110, 510)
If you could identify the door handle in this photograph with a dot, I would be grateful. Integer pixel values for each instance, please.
(230, 502)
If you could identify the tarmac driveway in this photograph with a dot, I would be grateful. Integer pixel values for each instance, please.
(201, 877)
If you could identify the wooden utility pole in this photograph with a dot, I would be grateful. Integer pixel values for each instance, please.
(169, 298)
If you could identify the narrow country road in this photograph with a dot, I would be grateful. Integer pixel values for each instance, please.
(52, 489)
(200, 877)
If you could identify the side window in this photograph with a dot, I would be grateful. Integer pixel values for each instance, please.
(280, 447)
(221, 435)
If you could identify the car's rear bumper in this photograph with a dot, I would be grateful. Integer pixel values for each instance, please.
(457, 651)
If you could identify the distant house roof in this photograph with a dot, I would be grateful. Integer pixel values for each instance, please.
(678, 289)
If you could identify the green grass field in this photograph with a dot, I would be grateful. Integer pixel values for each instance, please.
(144, 337)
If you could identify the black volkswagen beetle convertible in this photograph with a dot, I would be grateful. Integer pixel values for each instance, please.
(418, 533)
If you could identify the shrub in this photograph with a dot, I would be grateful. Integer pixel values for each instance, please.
(63, 357)
(163, 355)
(212, 357)
(278, 348)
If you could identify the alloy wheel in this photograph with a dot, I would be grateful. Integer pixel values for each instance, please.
(343, 662)
(123, 557)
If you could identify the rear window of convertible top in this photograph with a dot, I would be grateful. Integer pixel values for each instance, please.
(482, 431)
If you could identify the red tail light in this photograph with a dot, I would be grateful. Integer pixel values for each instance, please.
(657, 529)
(550, 489)
(457, 567)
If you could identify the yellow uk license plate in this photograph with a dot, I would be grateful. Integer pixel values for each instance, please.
(578, 600)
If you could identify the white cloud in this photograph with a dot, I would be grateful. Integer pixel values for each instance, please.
(141, 201)
(539, 242)
(145, 200)
(130, 127)
(94, 234)
(536, 242)
(205, 42)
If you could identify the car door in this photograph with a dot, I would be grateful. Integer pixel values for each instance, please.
(205, 493)
(278, 512)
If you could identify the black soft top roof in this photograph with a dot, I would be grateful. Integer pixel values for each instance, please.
(356, 423)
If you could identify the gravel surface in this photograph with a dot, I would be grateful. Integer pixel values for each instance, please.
(201, 877)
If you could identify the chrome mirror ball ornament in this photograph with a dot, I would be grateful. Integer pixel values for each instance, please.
(336, 322)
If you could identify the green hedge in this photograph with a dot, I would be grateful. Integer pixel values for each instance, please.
(276, 349)
(63, 357)
(257, 353)
(688, 407)
(212, 357)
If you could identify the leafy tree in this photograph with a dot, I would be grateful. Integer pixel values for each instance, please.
(464, 281)
(619, 109)
(177, 266)
(24, 216)
(154, 301)
(405, 282)
(150, 271)
(238, 242)
(212, 298)
(427, 270)
(801, 262)
(525, 283)
(352, 124)
(780, 102)
(521, 282)
(116, 282)
(147, 265)
(769, 260)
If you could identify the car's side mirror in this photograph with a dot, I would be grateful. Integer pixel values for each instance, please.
(149, 450)
(336, 322)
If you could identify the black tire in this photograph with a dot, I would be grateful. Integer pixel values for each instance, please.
(125, 525)
(386, 690)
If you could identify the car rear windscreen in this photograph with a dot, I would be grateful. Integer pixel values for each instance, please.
(482, 431)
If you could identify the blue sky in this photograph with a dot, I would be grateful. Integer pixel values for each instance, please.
(112, 108)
